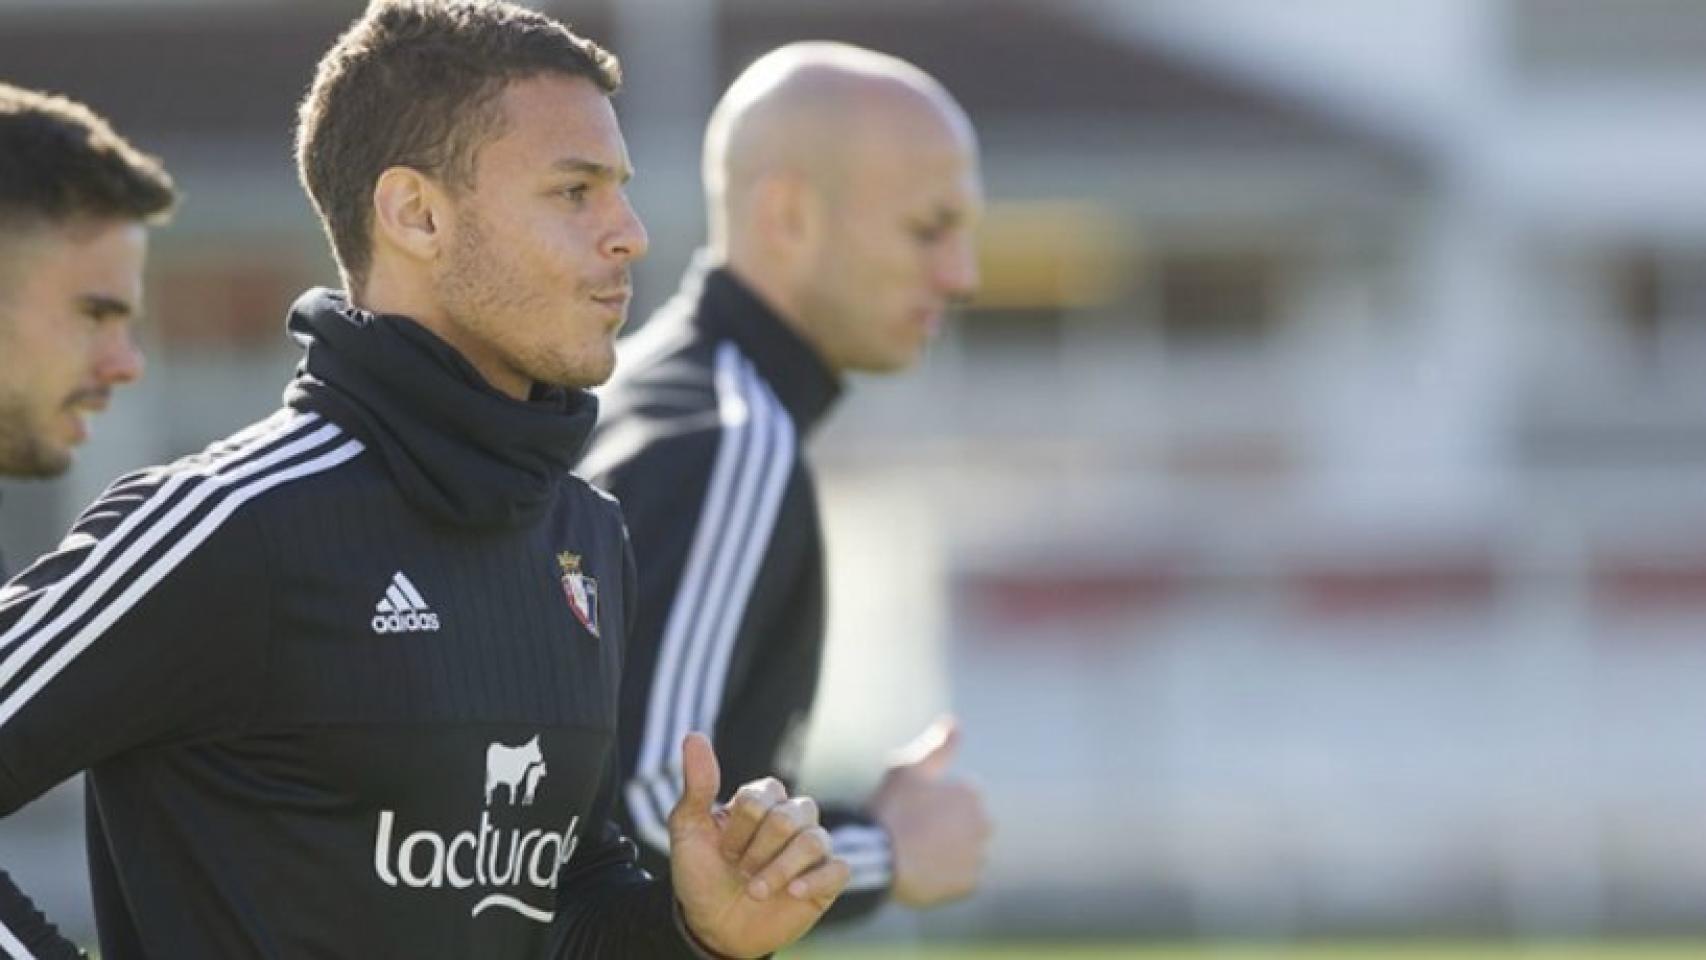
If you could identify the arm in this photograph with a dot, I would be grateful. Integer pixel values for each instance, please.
(111, 642)
(723, 531)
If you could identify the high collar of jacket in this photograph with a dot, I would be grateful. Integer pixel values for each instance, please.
(727, 307)
(458, 449)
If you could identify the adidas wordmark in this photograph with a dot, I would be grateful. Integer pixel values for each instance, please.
(402, 609)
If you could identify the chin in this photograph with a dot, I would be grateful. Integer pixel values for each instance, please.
(37, 463)
(897, 362)
(587, 376)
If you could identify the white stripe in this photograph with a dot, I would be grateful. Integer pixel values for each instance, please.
(683, 618)
(14, 948)
(385, 606)
(154, 502)
(689, 708)
(865, 858)
(868, 854)
(869, 879)
(410, 591)
(758, 535)
(747, 481)
(132, 551)
(651, 823)
(120, 535)
(650, 771)
(867, 874)
(140, 585)
(398, 602)
(860, 834)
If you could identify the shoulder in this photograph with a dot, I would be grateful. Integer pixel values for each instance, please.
(150, 522)
(206, 487)
(683, 417)
(592, 500)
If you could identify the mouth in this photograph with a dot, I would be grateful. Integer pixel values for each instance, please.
(615, 302)
(82, 405)
(88, 401)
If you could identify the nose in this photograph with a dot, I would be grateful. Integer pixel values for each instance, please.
(627, 240)
(956, 270)
(120, 359)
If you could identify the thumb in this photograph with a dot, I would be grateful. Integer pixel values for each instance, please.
(933, 751)
(700, 774)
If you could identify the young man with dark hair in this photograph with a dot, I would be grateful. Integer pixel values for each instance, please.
(842, 187)
(346, 682)
(75, 202)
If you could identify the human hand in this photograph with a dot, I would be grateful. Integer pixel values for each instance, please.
(938, 829)
(752, 876)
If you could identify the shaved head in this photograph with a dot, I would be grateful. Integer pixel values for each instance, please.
(818, 111)
(809, 137)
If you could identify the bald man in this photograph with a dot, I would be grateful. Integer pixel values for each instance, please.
(842, 187)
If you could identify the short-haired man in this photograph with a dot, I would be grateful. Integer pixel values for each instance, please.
(346, 682)
(75, 202)
(842, 187)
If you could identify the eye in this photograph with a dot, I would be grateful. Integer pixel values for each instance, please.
(577, 192)
(929, 234)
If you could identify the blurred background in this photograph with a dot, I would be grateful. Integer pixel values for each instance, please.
(1308, 522)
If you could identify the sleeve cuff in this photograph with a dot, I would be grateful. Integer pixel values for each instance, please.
(869, 855)
(699, 949)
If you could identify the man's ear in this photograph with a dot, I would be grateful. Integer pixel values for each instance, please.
(410, 212)
(790, 213)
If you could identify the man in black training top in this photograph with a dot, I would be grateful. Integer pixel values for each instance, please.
(75, 203)
(346, 682)
(842, 187)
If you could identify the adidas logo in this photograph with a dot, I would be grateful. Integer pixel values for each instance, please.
(402, 609)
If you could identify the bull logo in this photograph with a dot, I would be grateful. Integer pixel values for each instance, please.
(518, 768)
(516, 868)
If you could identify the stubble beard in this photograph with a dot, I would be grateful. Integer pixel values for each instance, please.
(23, 452)
(483, 292)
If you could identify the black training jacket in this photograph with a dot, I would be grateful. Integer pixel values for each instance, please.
(345, 683)
(700, 439)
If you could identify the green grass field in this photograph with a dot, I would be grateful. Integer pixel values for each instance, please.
(1341, 951)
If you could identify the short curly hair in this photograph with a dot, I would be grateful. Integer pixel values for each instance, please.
(59, 162)
(411, 83)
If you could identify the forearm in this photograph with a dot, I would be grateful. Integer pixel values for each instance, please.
(608, 907)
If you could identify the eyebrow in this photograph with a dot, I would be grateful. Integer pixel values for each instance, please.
(592, 168)
(101, 306)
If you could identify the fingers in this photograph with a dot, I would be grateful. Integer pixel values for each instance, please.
(778, 828)
(933, 750)
(805, 852)
(746, 813)
(822, 883)
(701, 777)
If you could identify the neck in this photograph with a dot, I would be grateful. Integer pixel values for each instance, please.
(781, 300)
(384, 292)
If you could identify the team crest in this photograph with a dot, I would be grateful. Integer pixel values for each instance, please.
(581, 591)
